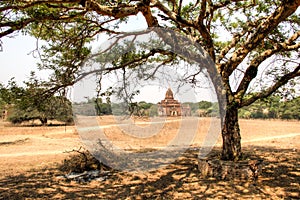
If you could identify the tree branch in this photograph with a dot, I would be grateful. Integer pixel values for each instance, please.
(126, 64)
(21, 24)
(283, 80)
(280, 14)
(150, 19)
(173, 15)
(116, 11)
(251, 71)
(28, 4)
(204, 31)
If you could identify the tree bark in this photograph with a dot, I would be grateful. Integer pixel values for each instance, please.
(231, 149)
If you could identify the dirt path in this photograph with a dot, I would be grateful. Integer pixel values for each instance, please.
(43, 141)
(285, 135)
(72, 147)
(30, 156)
(24, 148)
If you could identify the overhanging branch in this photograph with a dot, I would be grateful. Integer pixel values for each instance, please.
(281, 13)
(134, 61)
(251, 71)
(282, 81)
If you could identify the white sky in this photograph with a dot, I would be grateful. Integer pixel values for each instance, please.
(17, 60)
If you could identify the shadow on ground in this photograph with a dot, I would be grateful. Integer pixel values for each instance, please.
(280, 178)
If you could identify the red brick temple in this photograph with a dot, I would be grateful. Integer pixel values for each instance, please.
(171, 107)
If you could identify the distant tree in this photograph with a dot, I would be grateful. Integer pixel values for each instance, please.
(102, 108)
(144, 105)
(153, 110)
(273, 107)
(243, 113)
(117, 109)
(194, 107)
(10, 93)
(32, 102)
(53, 108)
(290, 109)
(205, 104)
(3, 94)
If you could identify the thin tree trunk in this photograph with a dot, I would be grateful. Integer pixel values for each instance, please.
(43, 120)
(231, 149)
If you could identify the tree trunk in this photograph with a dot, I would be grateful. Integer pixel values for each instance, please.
(43, 120)
(231, 149)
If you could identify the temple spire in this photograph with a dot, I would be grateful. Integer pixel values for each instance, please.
(169, 94)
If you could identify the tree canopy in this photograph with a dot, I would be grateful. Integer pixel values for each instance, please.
(31, 103)
(253, 43)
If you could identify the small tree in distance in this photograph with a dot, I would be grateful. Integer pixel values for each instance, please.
(257, 33)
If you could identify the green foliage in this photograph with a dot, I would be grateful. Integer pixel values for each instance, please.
(272, 107)
(65, 41)
(93, 107)
(33, 102)
(153, 110)
(205, 104)
(11, 93)
(141, 108)
(102, 108)
(52, 108)
(144, 105)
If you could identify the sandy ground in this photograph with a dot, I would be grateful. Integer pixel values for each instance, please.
(30, 157)
(24, 148)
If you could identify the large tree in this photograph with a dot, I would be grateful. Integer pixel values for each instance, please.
(32, 102)
(241, 37)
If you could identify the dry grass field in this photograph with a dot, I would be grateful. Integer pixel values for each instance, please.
(32, 156)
